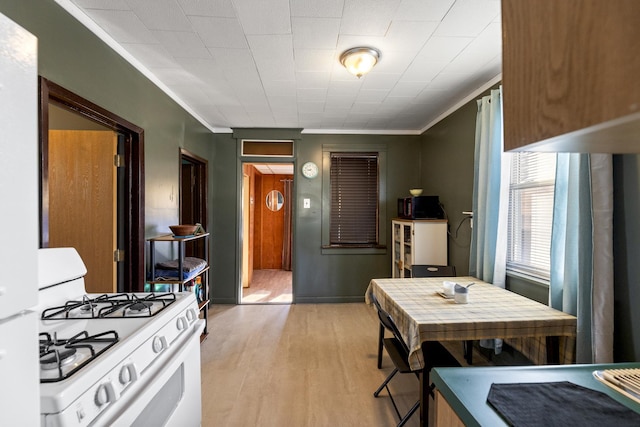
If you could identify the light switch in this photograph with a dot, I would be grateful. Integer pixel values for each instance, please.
(306, 203)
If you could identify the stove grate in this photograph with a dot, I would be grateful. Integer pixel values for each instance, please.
(110, 305)
(61, 353)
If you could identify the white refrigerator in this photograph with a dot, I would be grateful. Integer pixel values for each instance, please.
(19, 352)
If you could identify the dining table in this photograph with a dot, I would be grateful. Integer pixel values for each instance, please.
(423, 313)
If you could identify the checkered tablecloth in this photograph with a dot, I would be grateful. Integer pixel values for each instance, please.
(423, 315)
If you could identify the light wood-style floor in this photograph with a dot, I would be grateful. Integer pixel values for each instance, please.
(269, 286)
(298, 365)
(295, 365)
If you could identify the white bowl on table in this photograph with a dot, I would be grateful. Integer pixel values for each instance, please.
(448, 288)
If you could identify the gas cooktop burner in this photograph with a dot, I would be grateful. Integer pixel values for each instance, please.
(140, 306)
(57, 358)
(88, 307)
(110, 306)
(61, 358)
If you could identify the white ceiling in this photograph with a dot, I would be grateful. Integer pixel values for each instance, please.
(274, 168)
(274, 63)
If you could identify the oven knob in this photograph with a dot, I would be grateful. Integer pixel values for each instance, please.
(128, 374)
(105, 394)
(181, 323)
(159, 344)
(191, 315)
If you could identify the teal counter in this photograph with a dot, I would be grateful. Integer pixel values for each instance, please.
(466, 389)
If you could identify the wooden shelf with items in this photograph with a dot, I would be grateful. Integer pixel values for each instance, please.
(193, 278)
(417, 242)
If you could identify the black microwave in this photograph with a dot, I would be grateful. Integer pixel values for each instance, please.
(420, 207)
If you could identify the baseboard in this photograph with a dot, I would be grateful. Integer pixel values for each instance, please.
(223, 301)
(328, 300)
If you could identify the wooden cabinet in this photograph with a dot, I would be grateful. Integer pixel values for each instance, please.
(417, 242)
(445, 415)
(570, 75)
(197, 281)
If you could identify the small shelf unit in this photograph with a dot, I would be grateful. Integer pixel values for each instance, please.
(181, 285)
(417, 242)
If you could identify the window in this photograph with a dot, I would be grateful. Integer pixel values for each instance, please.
(354, 199)
(353, 214)
(271, 148)
(531, 213)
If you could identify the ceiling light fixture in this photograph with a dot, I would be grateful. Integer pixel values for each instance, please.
(359, 60)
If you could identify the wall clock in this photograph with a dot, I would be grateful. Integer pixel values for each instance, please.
(310, 170)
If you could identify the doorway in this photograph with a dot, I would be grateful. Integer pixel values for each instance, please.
(267, 215)
(193, 196)
(126, 187)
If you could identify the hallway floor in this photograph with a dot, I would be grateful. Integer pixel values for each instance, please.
(269, 286)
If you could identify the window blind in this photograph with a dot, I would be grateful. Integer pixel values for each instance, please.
(531, 193)
(354, 199)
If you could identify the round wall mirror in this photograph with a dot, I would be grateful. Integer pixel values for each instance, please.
(275, 200)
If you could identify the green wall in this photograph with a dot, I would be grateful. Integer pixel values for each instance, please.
(317, 277)
(336, 277)
(71, 56)
(447, 171)
(225, 227)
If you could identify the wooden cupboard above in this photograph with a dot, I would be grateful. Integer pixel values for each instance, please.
(571, 75)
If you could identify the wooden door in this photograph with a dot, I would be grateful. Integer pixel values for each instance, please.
(83, 201)
(269, 239)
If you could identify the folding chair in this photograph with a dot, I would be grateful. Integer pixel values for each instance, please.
(426, 271)
(399, 354)
(433, 271)
(443, 271)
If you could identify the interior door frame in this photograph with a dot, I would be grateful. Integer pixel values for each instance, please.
(201, 171)
(134, 242)
(199, 194)
(243, 240)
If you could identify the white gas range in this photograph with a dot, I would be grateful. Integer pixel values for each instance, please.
(114, 359)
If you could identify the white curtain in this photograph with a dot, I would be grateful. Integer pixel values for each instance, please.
(581, 280)
(487, 259)
(490, 205)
